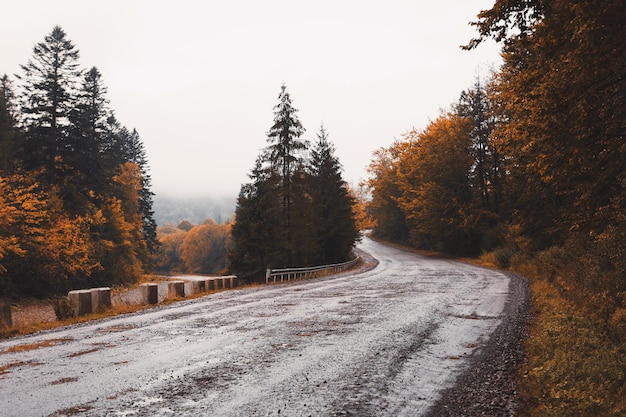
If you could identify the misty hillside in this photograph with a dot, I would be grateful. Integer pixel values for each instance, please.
(196, 209)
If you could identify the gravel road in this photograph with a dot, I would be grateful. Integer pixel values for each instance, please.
(400, 339)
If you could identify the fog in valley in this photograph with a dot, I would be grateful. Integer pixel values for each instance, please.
(194, 208)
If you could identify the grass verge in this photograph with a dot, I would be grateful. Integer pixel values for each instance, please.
(573, 367)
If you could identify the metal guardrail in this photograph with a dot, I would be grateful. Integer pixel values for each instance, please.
(286, 274)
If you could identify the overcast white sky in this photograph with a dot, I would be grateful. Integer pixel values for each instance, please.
(199, 79)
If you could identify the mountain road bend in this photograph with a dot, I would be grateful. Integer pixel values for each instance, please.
(379, 342)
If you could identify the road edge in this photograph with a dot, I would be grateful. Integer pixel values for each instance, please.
(488, 385)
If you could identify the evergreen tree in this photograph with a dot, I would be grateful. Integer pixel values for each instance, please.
(296, 211)
(335, 227)
(485, 173)
(90, 129)
(49, 84)
(284, 154)
(8, 127)
(83, 173)
(137, 155)
(257, 223)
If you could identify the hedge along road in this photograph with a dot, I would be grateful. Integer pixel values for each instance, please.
(379, 342)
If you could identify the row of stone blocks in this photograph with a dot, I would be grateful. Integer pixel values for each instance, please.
(176, 289)
(96, 300)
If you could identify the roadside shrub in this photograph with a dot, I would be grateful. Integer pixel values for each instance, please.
(617, 324)
(63, 309)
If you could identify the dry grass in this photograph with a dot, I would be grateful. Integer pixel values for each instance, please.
(573, 367)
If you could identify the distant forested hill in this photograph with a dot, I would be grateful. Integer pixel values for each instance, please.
(195, 209)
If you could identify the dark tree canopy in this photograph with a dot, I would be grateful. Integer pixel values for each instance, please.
(333, 205)
(296, 210)
(49, 93)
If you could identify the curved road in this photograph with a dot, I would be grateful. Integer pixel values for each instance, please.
(383, 342)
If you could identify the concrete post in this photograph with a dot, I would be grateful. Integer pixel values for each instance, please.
(150, 293)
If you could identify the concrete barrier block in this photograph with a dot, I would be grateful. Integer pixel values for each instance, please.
(6, 319)
(150, 293)
(100, 299)
(176, 289)
(198, 286)
(233, 281)
(80, 300)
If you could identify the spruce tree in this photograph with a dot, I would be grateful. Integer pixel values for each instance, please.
(284, 155)
(296, 211)
(89, 128)
(49, 84)
(335, 227)
(257, 223)
(8, 128)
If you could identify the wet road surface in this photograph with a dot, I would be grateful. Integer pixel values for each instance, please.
(383, 342)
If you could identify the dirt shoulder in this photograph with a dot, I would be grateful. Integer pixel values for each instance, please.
(488, 387)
